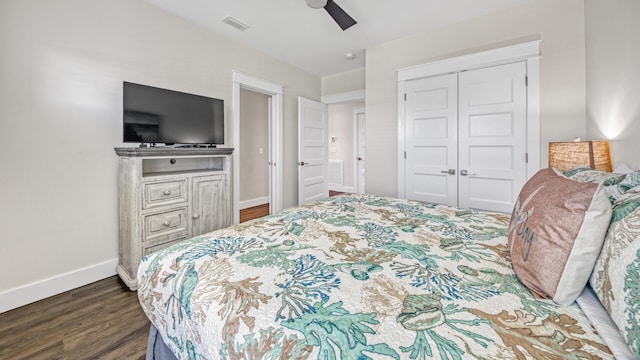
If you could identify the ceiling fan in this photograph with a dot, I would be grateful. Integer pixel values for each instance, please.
(339, 16)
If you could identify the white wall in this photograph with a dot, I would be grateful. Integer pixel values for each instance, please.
(341, 125)
(559, 24)
(343, 82)
(254, 147)
(613, 76)
(62, 64)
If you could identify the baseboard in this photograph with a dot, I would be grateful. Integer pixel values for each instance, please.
(253, 202)
(345, 189)
(23, 295)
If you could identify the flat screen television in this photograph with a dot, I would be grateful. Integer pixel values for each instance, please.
(153, 115)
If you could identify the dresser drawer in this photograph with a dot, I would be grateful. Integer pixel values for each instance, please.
(154, 248)
(162, 193)
(165, 226)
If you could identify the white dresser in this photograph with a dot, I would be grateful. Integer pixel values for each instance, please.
(167, 195)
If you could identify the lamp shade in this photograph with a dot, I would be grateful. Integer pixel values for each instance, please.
(593, 154)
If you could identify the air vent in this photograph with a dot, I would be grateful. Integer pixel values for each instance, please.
(235, 23)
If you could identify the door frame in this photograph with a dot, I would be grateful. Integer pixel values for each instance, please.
(275, 91)
(529, 52)
(349, 96)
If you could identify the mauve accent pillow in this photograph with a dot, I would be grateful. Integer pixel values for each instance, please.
(555, 235)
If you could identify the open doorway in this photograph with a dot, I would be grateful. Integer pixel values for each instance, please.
(313, 119)
(254, 155)
(346, 144)
(246, 89)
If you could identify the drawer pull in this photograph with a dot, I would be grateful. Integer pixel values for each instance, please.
(167, 192)
(167, 223)
(196, 216)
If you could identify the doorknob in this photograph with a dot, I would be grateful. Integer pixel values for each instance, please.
(466, 173)
(450, 171)
(302, 163)
(360, 158)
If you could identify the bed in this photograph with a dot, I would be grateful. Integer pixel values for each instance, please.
(357, 277)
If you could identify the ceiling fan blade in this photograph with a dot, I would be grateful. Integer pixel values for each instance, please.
(340, 16)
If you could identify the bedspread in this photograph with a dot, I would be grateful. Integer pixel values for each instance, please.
(356, 277)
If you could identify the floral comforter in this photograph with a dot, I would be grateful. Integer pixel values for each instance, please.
(356, 277)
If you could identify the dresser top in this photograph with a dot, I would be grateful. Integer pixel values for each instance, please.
(170, 151)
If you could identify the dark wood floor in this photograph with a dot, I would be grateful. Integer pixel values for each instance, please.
(254, 212)
(102, 320)
(334, 193)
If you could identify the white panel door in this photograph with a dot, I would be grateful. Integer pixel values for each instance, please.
(492, 136)
(313, 163)
(361, 142)
(431, 139)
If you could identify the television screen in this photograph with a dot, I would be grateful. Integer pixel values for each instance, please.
(154, 115)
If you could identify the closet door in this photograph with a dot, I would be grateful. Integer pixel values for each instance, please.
(431, 117)
(492, 136)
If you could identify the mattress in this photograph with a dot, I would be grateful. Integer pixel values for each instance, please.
(360, 277)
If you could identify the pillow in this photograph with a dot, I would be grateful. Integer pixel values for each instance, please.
(616, 184)
(555, 234)
(586, 174)
(622, 169)
(624, 283)
(625, 280)
(616, 276)
(574, 170)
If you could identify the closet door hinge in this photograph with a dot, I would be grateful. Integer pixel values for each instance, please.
(405, 96)
(405, 155)
(526, 158)
(526, 81)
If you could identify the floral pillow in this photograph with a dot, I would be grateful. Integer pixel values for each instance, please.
(615, 185)
(616, 276)
(586, 174)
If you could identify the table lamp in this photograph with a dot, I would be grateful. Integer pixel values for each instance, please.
(594, 154)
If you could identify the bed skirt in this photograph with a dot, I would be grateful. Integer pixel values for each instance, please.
(156, 348)
(600, 319)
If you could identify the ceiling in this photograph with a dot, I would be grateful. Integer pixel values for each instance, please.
(309, 38)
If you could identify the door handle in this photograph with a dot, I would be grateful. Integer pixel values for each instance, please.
(360, 158)
(302, 163)
(450, 171)
(466, 173)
